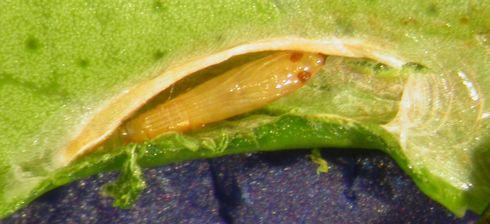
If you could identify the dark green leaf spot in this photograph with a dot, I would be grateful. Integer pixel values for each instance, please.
(158, 6)
(432, 10)
(83, 63)
(32, 44)
(157, 55)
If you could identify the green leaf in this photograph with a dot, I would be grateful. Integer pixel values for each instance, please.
(410, 78)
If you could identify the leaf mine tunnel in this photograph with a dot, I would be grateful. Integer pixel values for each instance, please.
(240, 90)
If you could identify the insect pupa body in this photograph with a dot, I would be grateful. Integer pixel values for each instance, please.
(240, 90)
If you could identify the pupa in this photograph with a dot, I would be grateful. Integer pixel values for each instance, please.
(239, 90)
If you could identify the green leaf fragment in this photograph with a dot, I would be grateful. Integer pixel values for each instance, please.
(127, 188)
(316, 157)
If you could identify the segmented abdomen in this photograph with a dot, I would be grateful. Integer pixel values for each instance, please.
(240, 90)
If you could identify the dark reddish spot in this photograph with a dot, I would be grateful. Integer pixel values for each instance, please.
(296, 57)
(304, 76)
(409, 21)
(321, 60)
(464, 20)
